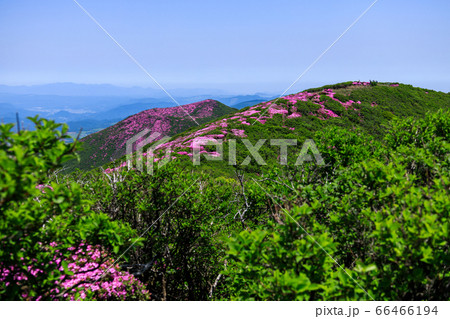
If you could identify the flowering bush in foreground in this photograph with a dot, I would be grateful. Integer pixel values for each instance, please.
(35, 213)
(87, 274)
(97, 277)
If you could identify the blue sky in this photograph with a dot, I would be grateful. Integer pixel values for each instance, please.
(242, 46)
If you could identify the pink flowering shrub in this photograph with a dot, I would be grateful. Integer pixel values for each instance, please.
(35, 212)
(96, 277)
(238, 133)
(88, 274)
(294, 115)
(43, 187)
(358, 83)
(273, 110)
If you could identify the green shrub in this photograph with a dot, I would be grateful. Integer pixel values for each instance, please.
(36, 213)
(383, 216)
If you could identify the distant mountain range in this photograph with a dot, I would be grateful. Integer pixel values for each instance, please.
(94, 107)
(247, 103)
(84, 90)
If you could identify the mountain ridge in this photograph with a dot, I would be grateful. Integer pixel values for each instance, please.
(353, 104)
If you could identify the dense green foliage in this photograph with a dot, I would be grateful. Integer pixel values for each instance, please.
(33, 217)
(379, 208)
(372, 223)
(383, 216)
